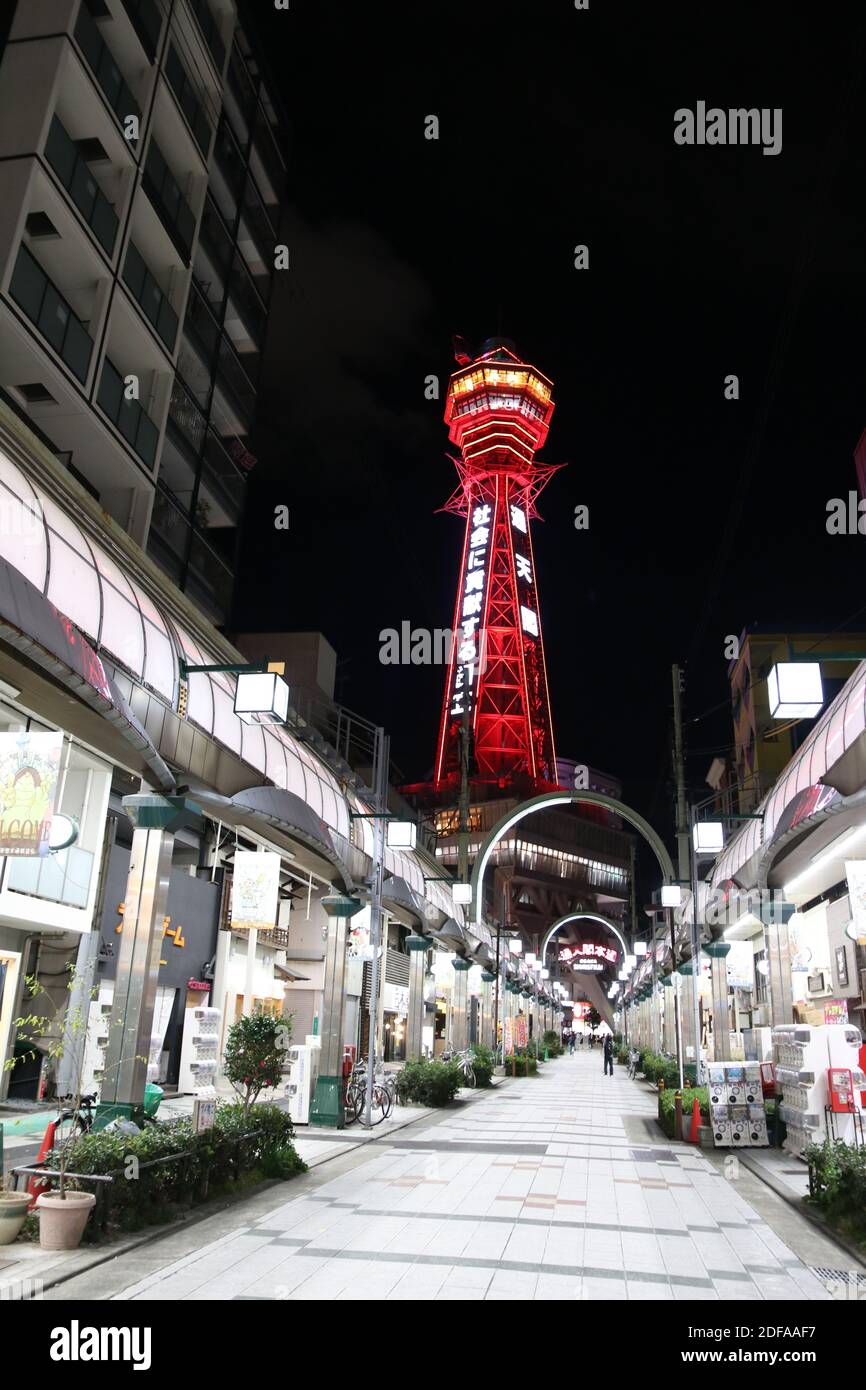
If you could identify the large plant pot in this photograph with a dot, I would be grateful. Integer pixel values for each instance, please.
(62, 1219)
(13, 1213)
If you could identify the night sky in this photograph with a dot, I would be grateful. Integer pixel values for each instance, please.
(556, 128)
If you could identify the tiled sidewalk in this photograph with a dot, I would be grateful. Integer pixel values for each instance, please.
(536, 1191)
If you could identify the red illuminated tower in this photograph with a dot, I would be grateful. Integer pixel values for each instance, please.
(498, 412)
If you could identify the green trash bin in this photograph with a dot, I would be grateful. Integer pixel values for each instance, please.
(152, 1096)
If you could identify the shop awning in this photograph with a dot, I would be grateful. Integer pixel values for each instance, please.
(34, 627)
(284, 973)
(397, 893)
(288, 813)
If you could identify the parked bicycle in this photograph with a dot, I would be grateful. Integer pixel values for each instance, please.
(633, 1062)
(355, 1103)
(465, 1060)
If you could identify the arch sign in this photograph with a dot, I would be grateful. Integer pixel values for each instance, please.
(542, 803)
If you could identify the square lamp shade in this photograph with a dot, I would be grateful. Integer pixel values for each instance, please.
(640, 948)
(461, 893)
(623, 974)
(531, 958)
(402, 834)
(545, 974)
(795, 690)
(672, 895)
(261, 697)
(515, 946)
(709, 836)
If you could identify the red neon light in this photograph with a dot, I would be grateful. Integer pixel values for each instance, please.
(506, 697)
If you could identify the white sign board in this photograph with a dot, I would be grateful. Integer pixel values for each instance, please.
(255, 890)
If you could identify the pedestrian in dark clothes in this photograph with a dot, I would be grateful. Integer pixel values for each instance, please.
(608, 1054)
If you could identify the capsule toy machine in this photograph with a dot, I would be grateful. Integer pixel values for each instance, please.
(717, 1083)
(757, 1125)
(740, 1126)
(720, 1124)
(735, 1081)
(752, 1091)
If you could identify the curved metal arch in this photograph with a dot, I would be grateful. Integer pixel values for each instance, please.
(540, 803)
(577, 916)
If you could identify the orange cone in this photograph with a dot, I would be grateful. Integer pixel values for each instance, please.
(696, 1121)
(38, 1185)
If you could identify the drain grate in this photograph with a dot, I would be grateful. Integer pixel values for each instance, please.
(847, 1284)
(654, 1156)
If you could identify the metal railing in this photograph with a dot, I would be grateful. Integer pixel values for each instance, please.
(76, 178)
(50, 313)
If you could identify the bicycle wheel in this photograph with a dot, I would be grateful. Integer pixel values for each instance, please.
(469, 1075)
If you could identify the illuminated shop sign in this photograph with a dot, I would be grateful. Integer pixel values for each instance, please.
(587, 956)
(468, 639)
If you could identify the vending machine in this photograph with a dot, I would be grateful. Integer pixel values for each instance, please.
(737, 1117)
(805, 1058)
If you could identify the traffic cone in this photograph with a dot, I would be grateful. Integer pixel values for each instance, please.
(38, 1185)
(696, 1121)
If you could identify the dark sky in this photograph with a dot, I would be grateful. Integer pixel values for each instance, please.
(556, 128)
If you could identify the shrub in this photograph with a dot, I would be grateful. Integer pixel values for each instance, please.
(483, 1062)
(667, 1107)
(255, 1054)
(622, 1056)
(520, 1059)
(552, 1042)
(429, 1082)
(837, 1185)
(240, 1146)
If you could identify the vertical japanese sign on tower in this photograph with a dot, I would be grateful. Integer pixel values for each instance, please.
(498, 411)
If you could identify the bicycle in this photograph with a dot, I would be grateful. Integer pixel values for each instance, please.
(75, 1121)
(465, 1060)
(633, 1060)
(356, 1097)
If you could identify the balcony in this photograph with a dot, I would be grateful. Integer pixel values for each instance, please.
(76, 178)
(174, 211)
(104, 68)
(234, 381)
(128, 416)
(185, 419)
(211, 34)
(150, 298)
(146, 20)
(49, 312)
(201, 326)
(188, 100)
(246, 299)
(209, 579)
(168, 539)
(222, 476)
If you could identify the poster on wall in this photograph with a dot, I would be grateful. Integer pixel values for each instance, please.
(29, 769)
(520, 1034)
(255, 890)
(739, 965)
(509, 1037)
(836, 1011)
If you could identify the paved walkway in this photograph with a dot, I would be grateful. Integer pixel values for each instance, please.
(555, 1187)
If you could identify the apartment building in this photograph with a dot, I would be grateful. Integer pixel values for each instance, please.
(141, 178)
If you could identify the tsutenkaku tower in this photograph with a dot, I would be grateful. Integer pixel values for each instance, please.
(498, 412)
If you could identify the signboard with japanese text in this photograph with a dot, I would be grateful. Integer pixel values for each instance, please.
(29, 769)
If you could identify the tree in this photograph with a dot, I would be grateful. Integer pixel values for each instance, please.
(593, 1019)
(255, 1053)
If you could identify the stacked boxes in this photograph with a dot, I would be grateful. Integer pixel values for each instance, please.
(736, 1105)
(200, 1052)
(803, 1054)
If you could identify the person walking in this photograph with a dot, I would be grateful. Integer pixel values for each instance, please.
(571, 1044)
(608, 1054)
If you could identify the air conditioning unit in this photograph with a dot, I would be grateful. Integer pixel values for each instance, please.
(817, 983)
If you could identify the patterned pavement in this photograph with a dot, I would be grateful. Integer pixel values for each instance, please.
(538, 1190)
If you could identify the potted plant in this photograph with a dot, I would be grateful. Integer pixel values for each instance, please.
(63, 1214)
(13, 1214)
